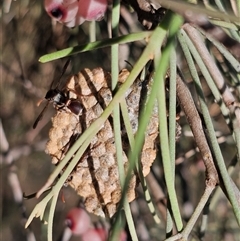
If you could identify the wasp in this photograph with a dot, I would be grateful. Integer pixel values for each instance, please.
(60, 99)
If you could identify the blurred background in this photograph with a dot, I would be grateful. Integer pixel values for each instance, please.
(27, 33)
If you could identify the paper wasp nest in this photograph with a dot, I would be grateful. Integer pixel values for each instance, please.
(96, 175)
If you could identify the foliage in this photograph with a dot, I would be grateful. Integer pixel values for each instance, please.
(212, 68)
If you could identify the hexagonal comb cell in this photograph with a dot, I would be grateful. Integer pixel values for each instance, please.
(96, 176)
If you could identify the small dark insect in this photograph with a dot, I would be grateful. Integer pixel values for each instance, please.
(60, 99)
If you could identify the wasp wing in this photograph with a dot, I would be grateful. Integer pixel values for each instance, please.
(40, 115)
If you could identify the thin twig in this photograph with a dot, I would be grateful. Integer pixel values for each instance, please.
(6, 5)
(207, 192)
(227, 96)
(157, 194)
(13, 179)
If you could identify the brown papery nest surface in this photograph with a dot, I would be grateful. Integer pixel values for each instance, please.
(96, 176)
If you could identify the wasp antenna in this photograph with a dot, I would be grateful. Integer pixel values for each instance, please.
(40, 102)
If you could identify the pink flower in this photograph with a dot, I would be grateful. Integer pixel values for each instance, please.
(75, 12)
(95, 234)
(92, 9)
(101, 234)
(78, 221)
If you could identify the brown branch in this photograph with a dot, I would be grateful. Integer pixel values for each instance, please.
(212, 179)
(194, 120)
